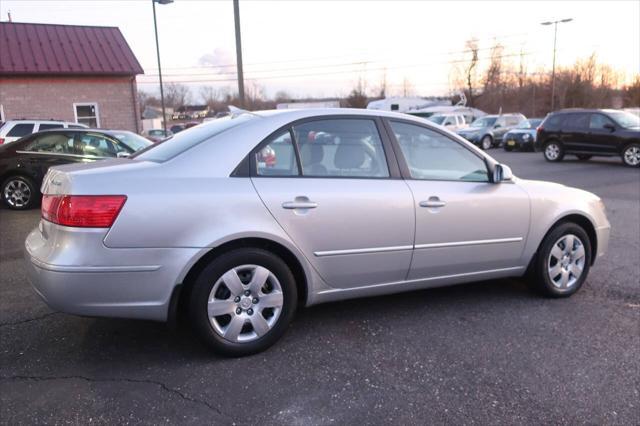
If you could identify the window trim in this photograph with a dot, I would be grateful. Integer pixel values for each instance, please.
(404, 166)
(93, 104)
(387, 148)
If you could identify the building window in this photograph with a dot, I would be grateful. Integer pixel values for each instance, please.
(87, 113)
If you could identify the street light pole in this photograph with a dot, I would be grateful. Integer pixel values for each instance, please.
(236, 16)
(553, 68)
(155, 26)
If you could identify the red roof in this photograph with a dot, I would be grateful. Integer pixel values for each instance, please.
(45, 49)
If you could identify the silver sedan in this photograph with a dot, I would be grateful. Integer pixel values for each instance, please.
(237, 222)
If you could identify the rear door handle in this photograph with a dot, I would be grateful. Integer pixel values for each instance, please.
(299, 203)
(433, 202)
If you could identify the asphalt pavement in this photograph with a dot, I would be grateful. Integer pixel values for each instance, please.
(483, 353)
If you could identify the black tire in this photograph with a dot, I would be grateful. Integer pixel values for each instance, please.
(211, 274)
(27, 190)
(539, 275)
(584, 157)
(630, 155)
(486, 142)
(553, 154)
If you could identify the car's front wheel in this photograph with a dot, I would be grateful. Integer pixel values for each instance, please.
(19, 192)
(486, 142)
(631, 155)
(562, 262)
(243, 301)
(553, 151)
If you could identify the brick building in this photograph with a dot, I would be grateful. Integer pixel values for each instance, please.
(67, 72)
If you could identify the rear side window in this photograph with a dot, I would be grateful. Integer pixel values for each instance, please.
(50, 126)
(55, 143)
(341, 148)
(278, 157)
(20, 130)
(577, 121)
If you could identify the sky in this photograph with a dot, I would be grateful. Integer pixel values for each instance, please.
(323, 48)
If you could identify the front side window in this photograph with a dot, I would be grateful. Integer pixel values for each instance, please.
(278, 157)
(484, 122)
(20, 130)
(87, 114)
(341, 148)
(598, 121)
(433, 156)
(95, 145)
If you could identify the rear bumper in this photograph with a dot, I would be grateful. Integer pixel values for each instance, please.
(74, 272)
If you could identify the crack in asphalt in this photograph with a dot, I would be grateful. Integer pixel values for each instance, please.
(38, 318)
(161, 385)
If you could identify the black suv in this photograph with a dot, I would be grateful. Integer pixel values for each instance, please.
(589, 132)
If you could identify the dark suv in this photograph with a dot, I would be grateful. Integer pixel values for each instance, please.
(589, 132)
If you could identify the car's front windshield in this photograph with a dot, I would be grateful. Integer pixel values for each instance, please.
(133, 141)
(625, 119)
(484, 122)
(438, 119)
(529, 124)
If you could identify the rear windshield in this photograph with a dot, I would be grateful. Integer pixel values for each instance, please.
(189, 138)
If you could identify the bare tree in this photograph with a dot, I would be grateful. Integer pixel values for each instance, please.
(176, 95)
(470, 70)
(358, 96)
(210, 95)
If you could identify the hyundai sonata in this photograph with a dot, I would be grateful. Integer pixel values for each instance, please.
(239, 221)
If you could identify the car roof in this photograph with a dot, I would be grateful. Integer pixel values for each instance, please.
(570, 110)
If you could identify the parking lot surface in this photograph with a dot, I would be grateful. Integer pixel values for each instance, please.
(489, 352)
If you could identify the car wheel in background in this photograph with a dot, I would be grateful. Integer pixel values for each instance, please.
(584, 157)
(19, 192)
(562, 262)
(631, 155)
(553, 151)
(486, 142)
(243, 301)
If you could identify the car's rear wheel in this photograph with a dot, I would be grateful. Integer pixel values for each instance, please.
(243, 301)
(563, 260)
(553, 151)
(486, 142)
(584, 157)
(631, 155)
(19, 192)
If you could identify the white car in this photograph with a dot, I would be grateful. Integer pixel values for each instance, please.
(12, 130)
(451, 121)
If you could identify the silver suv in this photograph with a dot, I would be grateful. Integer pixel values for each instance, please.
(12, 130)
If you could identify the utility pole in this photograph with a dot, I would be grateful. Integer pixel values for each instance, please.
(236, 15)
(553, 69)
(155, 27)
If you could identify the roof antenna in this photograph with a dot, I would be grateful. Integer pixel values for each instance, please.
(235, 111)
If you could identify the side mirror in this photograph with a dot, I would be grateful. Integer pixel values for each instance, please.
(609, 127)
(122, 155)
(502, 173)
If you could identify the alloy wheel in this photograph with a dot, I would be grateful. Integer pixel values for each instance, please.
(486, 143)
(552, 151)
(566, 262)
(632, 155)
(17, 193)
(245, 303)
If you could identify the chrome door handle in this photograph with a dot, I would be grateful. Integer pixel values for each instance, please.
(299, 203)
(433, 202)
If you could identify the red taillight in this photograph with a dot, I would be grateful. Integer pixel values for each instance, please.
(84, 211)
(1, 141)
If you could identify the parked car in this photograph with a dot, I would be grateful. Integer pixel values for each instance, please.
(191, 124)
(451, 121)
(24, 163)
(238, 221)
(12, 130)
(158, 135)
(176, 128)
(522, 137)
(488, 131)
(589, 132)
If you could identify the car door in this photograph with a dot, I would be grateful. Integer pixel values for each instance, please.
(499, 129)
(601, 138)
(465, 224)
(329, 184)
(575, 130)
